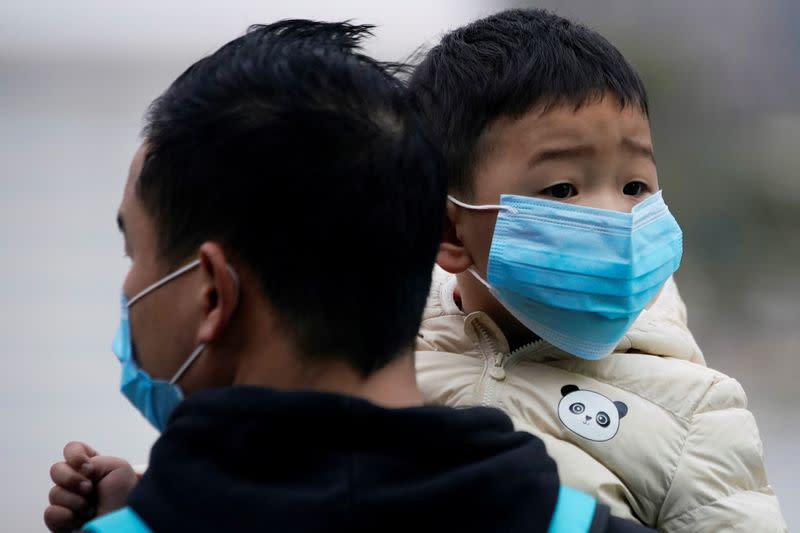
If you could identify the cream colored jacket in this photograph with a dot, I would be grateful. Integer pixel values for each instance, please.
(650, 430)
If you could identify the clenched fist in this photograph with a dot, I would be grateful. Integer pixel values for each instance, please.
(86, 485)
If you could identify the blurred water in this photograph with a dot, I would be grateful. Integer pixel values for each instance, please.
(70, 113)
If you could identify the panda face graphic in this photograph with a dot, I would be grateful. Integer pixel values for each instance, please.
(590, 414)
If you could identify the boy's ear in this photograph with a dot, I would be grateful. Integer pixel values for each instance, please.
(453, 257)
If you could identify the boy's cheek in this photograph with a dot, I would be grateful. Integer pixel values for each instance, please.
(477, 238)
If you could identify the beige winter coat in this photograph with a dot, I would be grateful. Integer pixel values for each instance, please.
(650, 430)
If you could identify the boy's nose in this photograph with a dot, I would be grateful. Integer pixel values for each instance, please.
(610, 201)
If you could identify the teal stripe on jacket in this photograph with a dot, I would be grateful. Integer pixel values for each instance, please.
(574, 512)
(123, 521)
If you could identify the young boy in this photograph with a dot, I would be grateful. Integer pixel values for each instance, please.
(554, 300)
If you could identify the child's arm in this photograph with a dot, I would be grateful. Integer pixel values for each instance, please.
(720, 483)
(86, 485)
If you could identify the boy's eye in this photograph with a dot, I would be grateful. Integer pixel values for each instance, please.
(634, 188)
(561, 190)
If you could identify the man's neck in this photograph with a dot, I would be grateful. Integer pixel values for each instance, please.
(393, 386)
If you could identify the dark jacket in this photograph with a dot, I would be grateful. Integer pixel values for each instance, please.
(253, 459)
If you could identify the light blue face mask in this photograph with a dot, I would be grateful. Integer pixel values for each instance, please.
(154, 398)
(578, 276)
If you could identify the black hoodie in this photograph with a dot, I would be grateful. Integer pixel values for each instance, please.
(253, 459)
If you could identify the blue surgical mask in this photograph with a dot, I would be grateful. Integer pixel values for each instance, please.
(154, 398)
(579, 276)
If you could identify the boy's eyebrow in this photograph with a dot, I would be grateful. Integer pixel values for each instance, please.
(555, 154)
(637, 148)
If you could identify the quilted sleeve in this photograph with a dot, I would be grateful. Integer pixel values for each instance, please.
(720, 482)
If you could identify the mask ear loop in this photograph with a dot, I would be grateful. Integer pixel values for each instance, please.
(472, 270)
(197, 351)
(235, 277)
(163, 281)
(486, 207)
(185, 366)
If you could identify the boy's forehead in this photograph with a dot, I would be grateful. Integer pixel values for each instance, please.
(605, 119)
(513, 147)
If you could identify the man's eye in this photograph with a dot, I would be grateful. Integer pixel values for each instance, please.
(634, 188)
(561, 190)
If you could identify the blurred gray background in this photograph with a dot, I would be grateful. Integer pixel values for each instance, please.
(75, 78)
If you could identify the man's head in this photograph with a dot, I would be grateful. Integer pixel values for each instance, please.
(293, 160)
(528, 103)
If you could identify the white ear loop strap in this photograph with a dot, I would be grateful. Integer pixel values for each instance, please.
(487, 207)
(235, 277)
(181, 271)
(197, 351)
(185, 366)
(477, 276)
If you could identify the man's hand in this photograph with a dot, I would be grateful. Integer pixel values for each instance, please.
(86, 485)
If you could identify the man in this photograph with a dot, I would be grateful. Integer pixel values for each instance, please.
(285, 192)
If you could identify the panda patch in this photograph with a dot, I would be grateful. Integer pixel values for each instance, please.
(590, 414)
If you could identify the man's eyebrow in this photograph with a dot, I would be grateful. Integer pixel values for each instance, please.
(637, 148)
(557, 154)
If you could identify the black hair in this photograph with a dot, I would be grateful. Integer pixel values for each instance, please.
(306, 160)
(506, 65)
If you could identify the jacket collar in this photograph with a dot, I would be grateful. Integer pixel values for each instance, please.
(660, 330)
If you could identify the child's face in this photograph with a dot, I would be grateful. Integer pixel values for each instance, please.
(599, 156)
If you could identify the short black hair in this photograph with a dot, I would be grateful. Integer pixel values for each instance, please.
(308, 161)
(507, 64)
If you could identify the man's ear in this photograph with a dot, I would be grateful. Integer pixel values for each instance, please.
(453, 256)
(220, 292)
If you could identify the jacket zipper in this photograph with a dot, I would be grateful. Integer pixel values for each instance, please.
(520, 352)
(491, 362)
(497, 363)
